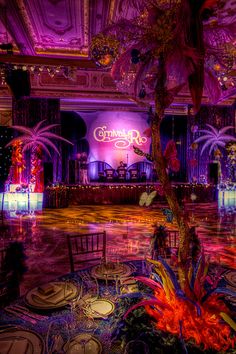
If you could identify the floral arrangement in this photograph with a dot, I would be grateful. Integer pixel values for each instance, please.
(195, 315)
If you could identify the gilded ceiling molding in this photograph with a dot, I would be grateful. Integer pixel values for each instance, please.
(57, 28)
(112, 10)
(85, 28)
(107, 82)
(27, 21)
(60, 51)
(84, 81)
(73, 45)
(59, 82)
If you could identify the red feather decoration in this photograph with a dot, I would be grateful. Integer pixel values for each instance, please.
(170, 155)
(208, 4)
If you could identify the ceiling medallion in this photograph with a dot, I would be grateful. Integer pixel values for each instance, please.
(104, 50)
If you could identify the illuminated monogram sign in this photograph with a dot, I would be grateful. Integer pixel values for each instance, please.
(122, 138)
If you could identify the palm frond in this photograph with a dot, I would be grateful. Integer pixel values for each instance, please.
(38, 136)
(223, 130)
(28, 146)
(213, 146)
(22, 129)
(202, 138)
(55, 136)
(207, 131)
(38, 125)
(13, 141)
(214, 138)
(47, 128)
(227, 138)
(48, 142)
(44, 147)
(215, 130)
(207, 144)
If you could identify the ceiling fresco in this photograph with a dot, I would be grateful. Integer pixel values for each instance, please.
(54, 27)
(59, 33)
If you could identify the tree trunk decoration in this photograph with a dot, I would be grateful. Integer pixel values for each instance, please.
(36, 164)
(160, 40)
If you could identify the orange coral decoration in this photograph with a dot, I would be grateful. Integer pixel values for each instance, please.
(205, 329)
(37, 174)
(193, 314)
(18, 164)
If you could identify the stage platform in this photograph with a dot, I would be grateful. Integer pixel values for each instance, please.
(122, 193)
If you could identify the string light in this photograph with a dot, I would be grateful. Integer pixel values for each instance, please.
(68, 72)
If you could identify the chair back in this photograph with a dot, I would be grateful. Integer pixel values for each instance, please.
(173, 238)
(171, 243)
(81, 246)
(121, 174)
(133, 174)
(109, 174)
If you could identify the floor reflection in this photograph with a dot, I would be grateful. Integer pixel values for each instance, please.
(128, 228)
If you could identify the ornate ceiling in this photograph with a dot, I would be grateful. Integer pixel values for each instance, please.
(54, 27)
(58, 33)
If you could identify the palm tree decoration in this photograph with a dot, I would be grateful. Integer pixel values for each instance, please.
(160, 39)
(37, 140)
(214, 138)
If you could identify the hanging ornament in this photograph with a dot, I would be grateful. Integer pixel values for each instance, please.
(194, 146)
(104, 50)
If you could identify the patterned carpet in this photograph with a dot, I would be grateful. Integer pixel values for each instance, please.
(129, 229)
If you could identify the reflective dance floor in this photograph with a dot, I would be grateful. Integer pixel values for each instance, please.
(129, 229)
